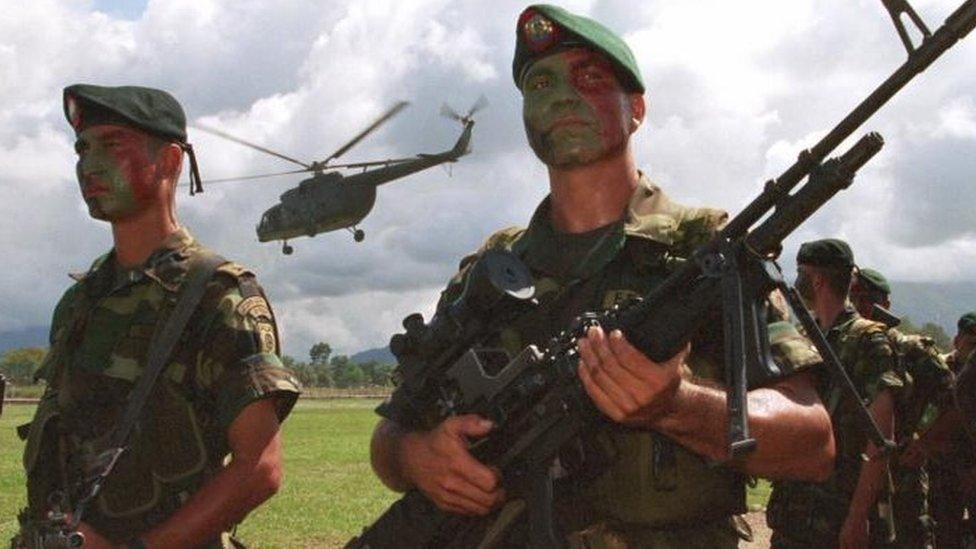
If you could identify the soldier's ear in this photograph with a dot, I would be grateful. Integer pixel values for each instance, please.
(638, 108)
(170, 161)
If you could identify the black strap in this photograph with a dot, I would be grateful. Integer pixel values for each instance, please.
(164, 341)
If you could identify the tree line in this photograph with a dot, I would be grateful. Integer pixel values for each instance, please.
(323, 369)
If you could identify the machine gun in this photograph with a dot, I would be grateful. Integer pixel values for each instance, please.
(537, 402)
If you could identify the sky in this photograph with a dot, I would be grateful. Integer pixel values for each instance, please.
(735, 91)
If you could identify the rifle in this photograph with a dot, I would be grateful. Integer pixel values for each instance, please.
(536, 400)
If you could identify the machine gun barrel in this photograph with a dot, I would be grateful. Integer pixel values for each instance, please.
(956, 27)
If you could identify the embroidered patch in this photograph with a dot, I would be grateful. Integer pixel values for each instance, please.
(254, 307)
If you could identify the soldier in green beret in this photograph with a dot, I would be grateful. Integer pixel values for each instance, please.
(851, 509)
(605, 234)
(931, 379)
(222, 392)
(954, 474)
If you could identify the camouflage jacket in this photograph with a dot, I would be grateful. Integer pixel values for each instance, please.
(929, 380)
(652, 488)
(227, 358)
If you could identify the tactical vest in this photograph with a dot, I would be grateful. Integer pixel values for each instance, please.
(96, 355)
(641, 478)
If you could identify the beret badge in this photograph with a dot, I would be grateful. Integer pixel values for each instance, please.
(539, 32)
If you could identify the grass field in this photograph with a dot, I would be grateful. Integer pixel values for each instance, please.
(329, 494)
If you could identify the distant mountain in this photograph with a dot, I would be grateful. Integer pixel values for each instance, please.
(941, 303)
(31, 336)
(379, 354)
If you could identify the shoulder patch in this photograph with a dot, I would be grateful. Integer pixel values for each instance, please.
(256, 311)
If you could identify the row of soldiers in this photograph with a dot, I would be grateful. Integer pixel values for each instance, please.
(920, 495)
(209, 450)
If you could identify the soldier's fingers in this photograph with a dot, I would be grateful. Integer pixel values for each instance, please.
(616, 382)
(598, 395)
(469, 496)
(461, 505)
(476, 473)
(585, 348)
(470, 425)
(632, 366)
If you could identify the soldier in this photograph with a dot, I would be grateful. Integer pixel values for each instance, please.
(931, 379)
(954, 475)
(223, 392)
(837, 513)
(606, 233)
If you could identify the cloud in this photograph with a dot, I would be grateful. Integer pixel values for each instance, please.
(735, 91)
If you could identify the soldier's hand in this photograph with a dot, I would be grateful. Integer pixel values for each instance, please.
(854, 533)
(624, 384)
(439, 464)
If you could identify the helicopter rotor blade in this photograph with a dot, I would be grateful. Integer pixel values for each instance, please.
(372, 127)
(247, 177)
(240, 141)
(448, 112)
(481, 103)
(372, 163)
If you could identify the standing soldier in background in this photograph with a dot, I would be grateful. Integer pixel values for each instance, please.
(841, 511)
(917, 406)
(606, 234)
(954, 474)
(223, 391)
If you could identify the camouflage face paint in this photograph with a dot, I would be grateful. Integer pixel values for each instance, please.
(116, 171)
(574, 109)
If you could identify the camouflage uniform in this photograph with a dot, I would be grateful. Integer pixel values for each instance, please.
(654, 493)
(806, 515)
(949, 501)
(930, 378)
(228, 357)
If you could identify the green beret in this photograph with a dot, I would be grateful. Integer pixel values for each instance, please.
(150, 110)
(829, 252)
(874, 281)
(544, 29)
(967, 323)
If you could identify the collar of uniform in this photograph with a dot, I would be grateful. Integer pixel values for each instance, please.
(567, 256)
(166, 265)
(843, 317)
(650, 216)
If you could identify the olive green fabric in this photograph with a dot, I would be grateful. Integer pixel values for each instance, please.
(829, 252)
(544, 29)
(154, 111)
(967, 323)
(805, 514)
(652, 490)
(874, 281)
(227, 358)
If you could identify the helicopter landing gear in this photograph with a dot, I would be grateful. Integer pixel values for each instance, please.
(286, 249)
(358, 234)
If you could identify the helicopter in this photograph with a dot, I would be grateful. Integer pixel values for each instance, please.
(330, 201)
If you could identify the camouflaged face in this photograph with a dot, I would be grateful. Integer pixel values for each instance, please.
(100, 334)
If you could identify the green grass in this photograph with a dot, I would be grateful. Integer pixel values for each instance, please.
(329, 494)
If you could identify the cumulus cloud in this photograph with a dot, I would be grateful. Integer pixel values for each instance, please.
(735, 91)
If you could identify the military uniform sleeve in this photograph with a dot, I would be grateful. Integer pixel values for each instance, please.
(877, 365)
(240, 359)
